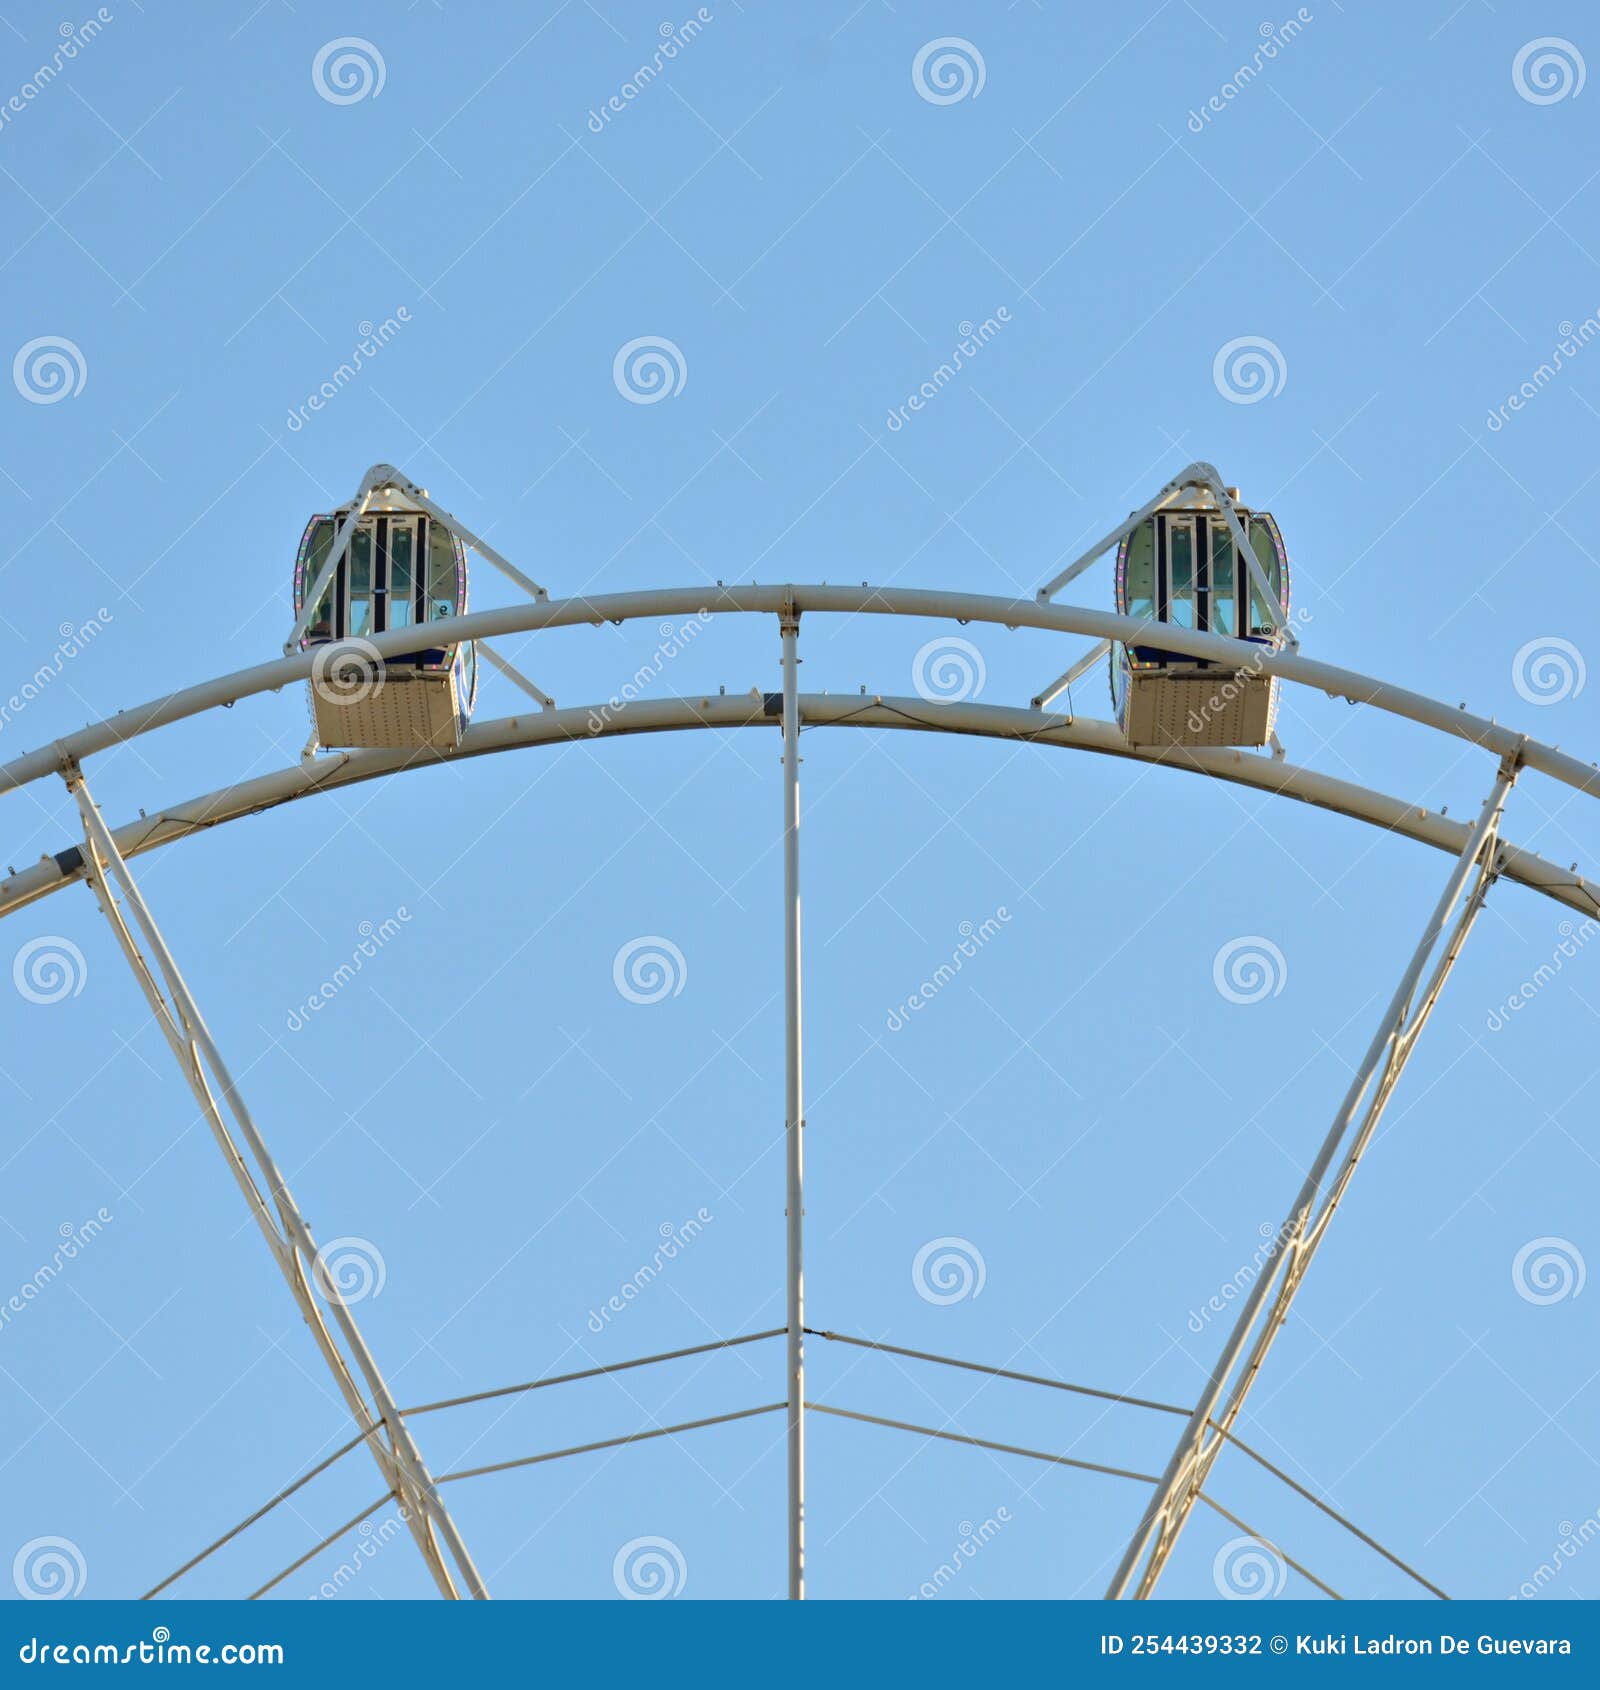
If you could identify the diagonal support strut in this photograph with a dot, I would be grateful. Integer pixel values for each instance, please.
(274, 1209)
(1297, 1240)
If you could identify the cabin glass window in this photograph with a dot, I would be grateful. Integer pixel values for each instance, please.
(1180, 574)
(1141, 571)
(1222, 587)
(402, 573)
(441, 572)
(1267, 554)
(320, 627)
(360, 583)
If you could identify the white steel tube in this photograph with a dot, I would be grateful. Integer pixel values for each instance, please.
(1247, 553)
(468, 538)
(1107, 541)
(324, 581)
(853, 601)
(319, 589)
(794, 1109)
(1065, 679)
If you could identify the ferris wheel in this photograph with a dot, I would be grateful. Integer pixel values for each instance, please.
(1197, 649)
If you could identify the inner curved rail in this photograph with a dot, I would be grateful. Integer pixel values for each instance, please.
(988, 721)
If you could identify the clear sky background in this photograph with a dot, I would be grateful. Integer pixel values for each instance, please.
(1104, 1128)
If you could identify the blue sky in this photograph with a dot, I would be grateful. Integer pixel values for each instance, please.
(1405, 237)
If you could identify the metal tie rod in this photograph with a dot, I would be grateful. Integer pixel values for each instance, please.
(609, 1443)
(288, 1237)
(594, 1372)
(1070, 1461)
(260, 1513)
(1126, 1401)
(454, 1402)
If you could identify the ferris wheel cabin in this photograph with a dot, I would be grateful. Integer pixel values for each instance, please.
(402, 569)
(1181, 567)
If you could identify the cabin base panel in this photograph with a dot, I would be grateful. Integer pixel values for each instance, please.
(410, 713)
(1209, 709)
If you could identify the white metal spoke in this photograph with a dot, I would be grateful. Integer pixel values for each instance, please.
(1303, 1229)
(794, 1107)
(288, 1237)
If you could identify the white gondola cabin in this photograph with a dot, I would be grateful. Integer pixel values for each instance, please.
(402, 569)
(1181, 567)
